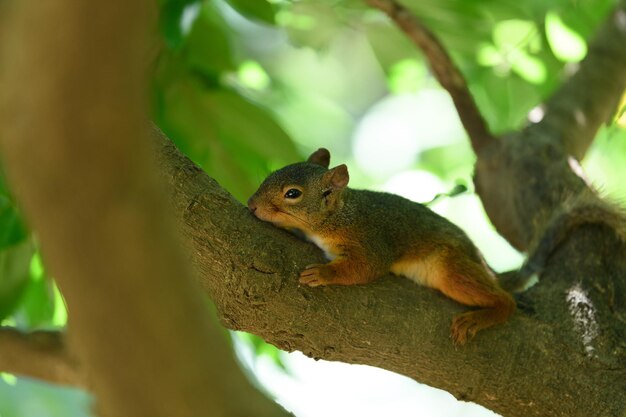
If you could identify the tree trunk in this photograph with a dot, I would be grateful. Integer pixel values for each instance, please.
(76, 150)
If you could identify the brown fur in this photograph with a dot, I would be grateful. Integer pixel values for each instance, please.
(367, 234)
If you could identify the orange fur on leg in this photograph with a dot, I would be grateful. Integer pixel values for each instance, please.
(470, 283)
(344, 270)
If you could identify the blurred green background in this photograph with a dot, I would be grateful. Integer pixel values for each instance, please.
(246, 86)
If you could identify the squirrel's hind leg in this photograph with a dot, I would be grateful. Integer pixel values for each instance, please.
(466, 325)
(470, 283)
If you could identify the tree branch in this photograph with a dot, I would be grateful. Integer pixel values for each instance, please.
(250, 269)
(527, 180)
(444, 70)
(590, 97)
(38, 354)
(573, 115)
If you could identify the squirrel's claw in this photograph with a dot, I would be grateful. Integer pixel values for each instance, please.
(316, 275)
(464, 327)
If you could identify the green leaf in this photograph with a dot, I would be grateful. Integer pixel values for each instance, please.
(14, 275)
(567, 45)
(528, 67)
(460, 25)
(207, 47)
(232, 139)
(458, 189)
(513, 33)
(504, 101)
(252, 75)
(37, 305)
(171, 20)
(310, 23)
(448, 162)
(250, 126)
(390, 45)
(262, 349)
(257, 9)
(59, 317)
(12, 229)
(407, 76)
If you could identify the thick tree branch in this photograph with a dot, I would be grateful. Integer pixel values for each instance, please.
(524, 368)
(250, 269)
(443, 68)
(589, 98)
(38, 354)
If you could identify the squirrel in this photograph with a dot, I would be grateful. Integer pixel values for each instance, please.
(366, 234)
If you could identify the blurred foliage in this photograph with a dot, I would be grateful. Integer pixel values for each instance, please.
(27, 296)
(261, 349)
(246, 86)
(24, 397)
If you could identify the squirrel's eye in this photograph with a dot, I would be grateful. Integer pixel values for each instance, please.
(293, 193)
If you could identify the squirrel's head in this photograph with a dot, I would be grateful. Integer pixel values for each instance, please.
(300, 196)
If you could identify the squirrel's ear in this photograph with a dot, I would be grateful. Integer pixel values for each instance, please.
(338, 176)
(320, 157)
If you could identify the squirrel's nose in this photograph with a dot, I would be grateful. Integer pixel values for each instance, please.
(252, 205)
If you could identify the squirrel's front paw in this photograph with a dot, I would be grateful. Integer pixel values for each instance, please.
(316, 275)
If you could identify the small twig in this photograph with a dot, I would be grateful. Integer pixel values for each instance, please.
(39, 354)
(444, 70)
(458, 189)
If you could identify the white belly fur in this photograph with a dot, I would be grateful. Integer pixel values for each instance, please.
(319, 242)
(424, 272)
